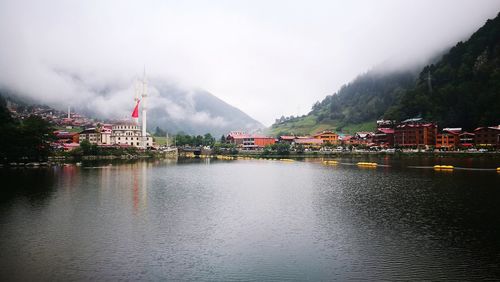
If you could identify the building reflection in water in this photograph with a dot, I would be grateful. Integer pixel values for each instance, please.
(140, 186)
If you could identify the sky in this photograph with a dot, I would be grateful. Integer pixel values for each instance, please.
(268, 58)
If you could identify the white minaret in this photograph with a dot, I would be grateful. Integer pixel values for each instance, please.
(144, 108)
(69, 112)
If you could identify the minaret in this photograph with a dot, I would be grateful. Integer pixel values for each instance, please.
(144, 108)
(69, 112)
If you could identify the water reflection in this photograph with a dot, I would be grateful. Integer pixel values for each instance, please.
(250, 220)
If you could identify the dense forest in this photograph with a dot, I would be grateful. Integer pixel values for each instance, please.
(356, 106)
(23, 140)
(461, 89)
(366, 98)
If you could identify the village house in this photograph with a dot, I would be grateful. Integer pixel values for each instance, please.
(448, 138)
(487, 136)
(328, 137)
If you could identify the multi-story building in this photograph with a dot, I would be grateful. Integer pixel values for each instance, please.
(414, 133)
(249, 141)
(98, 136)
(262, 141)
(448, 138)
(327, 137)
(466, 139)
(384, 137)
(90, 134)
(129, 134)
(487, 136)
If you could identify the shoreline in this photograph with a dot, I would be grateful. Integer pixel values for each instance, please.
(61, 160)
(361, 154)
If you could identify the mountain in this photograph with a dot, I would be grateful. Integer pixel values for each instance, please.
(171, 107)
(195, 112)
(355, 107)
(461, 89)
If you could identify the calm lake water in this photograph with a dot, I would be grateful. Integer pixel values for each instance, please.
(251, 220)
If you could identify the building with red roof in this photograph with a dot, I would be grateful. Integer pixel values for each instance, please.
(487, 136)
(246, 141)
(448, 138)
(384, 137)
(414, 133)
(327, 136)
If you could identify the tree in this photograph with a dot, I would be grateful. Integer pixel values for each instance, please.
(37, 134)
(28, 140)
(208, 140)
(281, 148)
(86, 147)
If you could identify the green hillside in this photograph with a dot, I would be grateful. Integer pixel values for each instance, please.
(355, 107)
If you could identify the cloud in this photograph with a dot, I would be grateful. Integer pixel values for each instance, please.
(267, 58)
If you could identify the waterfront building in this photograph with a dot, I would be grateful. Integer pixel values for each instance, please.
(246, 141)
(261, 141)
(448, 138)
(346, 139)
(286, 139)
(363, 137)
(415, 133)
(384, 137)
(97, 136)
(129, 134)
(487, 136)
(466, 139)
(238, 138)
(327, 136)
(308, 142)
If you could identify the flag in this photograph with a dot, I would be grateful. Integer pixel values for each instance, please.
(135, 113)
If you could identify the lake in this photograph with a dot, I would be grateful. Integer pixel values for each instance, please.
(202, 219)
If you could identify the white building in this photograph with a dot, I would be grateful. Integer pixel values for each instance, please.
(129, 134)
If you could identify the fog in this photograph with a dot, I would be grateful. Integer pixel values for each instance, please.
(268, 58)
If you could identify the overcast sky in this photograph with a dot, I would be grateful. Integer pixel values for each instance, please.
(268, 58)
